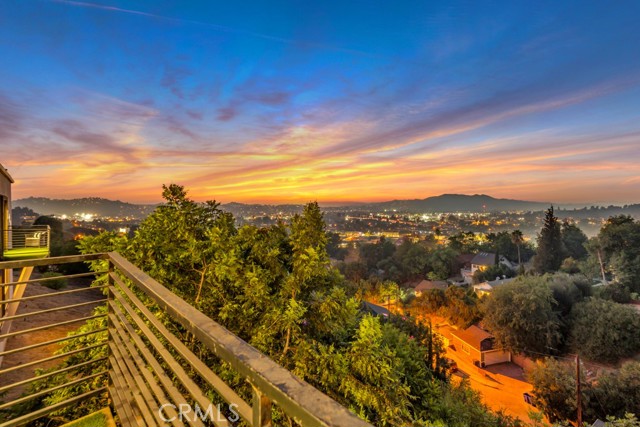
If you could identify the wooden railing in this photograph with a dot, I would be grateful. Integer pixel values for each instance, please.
(159, 368)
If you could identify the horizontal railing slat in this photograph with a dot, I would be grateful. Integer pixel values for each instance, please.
(49, 342)
(49, 326)
(51, 261)
(49, 359)
(52, 310)
(25, 419)
(51, 390)
(49, 374)
(53, 294)
(47, 279)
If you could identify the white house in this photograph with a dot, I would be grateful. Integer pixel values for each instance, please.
(481, 262)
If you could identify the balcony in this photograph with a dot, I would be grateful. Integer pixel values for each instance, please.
(26, 242)
(150, 358)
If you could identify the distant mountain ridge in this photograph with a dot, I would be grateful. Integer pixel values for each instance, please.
(459, 203)
(443, 203)
(90, 205)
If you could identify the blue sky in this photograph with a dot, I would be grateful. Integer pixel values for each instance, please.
(332, 101)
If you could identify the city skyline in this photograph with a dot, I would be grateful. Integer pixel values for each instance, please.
(286, 103)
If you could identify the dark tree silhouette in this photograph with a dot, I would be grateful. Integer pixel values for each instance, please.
(551, 251)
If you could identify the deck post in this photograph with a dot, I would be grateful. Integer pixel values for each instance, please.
(261, 409)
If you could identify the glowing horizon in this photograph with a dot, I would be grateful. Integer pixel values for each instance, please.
(328, 102)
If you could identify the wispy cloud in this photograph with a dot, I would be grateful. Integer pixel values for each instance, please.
(217, 27)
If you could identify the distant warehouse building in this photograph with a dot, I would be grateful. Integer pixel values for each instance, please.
(478, 346)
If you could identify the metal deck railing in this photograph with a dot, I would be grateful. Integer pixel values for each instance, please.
(159, 361)
(26, 242)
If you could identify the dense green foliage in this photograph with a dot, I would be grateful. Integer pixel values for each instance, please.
(408, 261)
(492, 272)
(615, 393)
(460, 306)
(511, 245)
(619, 246)
(534, 313)
(521, 315)
(605, 330)
(573, 240)
(554, 388)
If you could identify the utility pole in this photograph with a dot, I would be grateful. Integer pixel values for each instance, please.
(578, 391)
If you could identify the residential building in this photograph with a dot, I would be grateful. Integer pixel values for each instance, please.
(483, 261)
(478, 346)
(485, 288)
(426, 285)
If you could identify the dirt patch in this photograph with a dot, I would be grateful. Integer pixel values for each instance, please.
(24, 340)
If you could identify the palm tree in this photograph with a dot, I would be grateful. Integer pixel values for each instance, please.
(517, 239)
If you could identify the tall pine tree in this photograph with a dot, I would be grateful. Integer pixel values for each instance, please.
(551, 251)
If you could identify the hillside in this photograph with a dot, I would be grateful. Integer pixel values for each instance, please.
(92, 205)
(459, 203)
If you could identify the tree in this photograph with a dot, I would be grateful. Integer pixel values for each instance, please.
(554, 389)
(491, 273)
(521, 315)
(594, 266)
(56, 233)
(461, 306)
(372, 253)
(431, 300)
(412, 259)
(551, 250)
(614, 396)
(617, 392)
(441, 263)
(353, 271)
(604, 331)
(333, 247)
(619, 241)
(517, 239)
(464, 242)
(18, 213)
(574, 239)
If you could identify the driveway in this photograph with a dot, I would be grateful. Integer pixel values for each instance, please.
(501, 386)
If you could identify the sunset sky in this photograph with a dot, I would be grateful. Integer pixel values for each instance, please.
(335, 101)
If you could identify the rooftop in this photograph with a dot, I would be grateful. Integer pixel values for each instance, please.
(473, 336)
